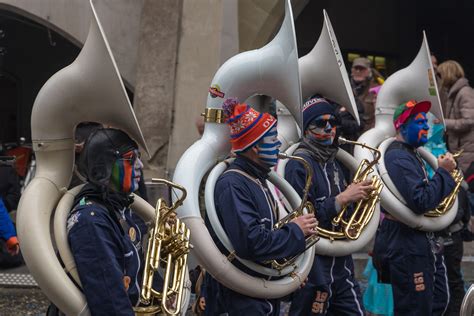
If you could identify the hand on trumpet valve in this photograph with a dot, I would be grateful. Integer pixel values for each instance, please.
(447, 162)
(307, 223)
(355, 192)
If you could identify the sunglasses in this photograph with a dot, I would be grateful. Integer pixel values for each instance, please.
(321, 123)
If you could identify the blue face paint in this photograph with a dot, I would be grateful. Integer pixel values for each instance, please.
(415, 131)
(322, 129)
(269, 147)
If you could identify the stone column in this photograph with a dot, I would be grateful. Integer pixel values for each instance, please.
(209, 36)
(155, 80)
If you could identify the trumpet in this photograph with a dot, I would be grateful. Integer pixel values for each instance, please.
(364, 209)
(448, 201)
(167, 253)
(305, 204)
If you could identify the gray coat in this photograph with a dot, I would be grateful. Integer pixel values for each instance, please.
(459, 117)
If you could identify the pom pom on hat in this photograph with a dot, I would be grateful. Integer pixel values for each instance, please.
(229, 105)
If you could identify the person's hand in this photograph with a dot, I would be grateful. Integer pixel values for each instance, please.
(307, 223)
(355, 192)
(303, 284)
(13, 246)
(447, 162)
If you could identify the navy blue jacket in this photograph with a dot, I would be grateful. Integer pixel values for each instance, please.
(6, 226)
(247, 217)
(106, 253)
(244, 207)
(410, 178)
(327, 182)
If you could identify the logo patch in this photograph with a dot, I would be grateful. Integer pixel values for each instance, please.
(72, 221)
(215, 91)
(132, 233)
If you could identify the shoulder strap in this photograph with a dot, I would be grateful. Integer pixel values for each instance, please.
(270, 201)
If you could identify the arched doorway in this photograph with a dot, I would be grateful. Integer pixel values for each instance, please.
(31, 51)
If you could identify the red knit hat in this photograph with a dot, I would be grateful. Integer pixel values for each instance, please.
(247, 126)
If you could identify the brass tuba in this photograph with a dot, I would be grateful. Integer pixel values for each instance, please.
(364, 209)
(448, 201)
(167, 254)
(305, 205)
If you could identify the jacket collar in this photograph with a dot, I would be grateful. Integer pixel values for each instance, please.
(251, 167)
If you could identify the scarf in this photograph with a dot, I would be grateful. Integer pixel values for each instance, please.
(318, 152)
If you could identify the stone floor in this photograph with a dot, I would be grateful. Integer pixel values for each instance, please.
(31, 301)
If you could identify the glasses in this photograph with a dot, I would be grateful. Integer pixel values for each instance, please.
(359, 68)
(322, 123)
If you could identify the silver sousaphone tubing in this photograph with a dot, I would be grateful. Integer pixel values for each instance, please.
(271, 70)
(89, 89)
(418, 82)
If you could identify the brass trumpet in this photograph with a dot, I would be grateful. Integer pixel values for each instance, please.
(310, 240)
(167, 252)
(448, 201)
(364, 209)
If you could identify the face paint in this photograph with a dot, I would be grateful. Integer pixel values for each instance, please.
(322, 129)
(269, 147)
(415, 131)
(126, 172)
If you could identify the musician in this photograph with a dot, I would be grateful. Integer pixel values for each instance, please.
(331, 287)
(103, 238)
(403, 255)
(248, 212)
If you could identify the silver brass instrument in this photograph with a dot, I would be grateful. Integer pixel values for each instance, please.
(448, 201)
(167, 252)
(298, 211)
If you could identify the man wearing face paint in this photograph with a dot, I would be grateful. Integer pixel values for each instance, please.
(247, 210)
(331, 288)
(104, 239)
(404, 256)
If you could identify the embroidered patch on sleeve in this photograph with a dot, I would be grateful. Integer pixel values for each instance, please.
(72, 221)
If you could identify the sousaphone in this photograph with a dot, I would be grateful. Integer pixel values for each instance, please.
(273, 71)
(417, 81)
(322, 71)
(89, 89)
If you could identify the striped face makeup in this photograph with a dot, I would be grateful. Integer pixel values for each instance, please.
(126, 172)
(415, 131)
(323, 129)
(269, 147)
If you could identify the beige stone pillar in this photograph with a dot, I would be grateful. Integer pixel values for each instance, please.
(208, 38)
(155, 80)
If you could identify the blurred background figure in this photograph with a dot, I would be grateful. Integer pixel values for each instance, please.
(450, 239)
(9, 197)
(458, 111)
(363, 78)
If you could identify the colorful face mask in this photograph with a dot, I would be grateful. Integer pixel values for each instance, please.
(415, 131)
(269, 147)
(323, 129)
(126, 172)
